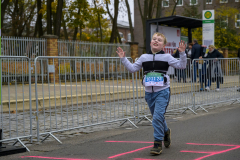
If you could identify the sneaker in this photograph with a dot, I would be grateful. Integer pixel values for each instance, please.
(201, 89)
(167, 138)
(157, 148)
(207, 88)
(217, 89)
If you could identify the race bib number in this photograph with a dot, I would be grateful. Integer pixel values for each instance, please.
(154, 79)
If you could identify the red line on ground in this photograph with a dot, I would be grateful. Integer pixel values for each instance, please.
(214, 152)
(121, 154)
(232, 145)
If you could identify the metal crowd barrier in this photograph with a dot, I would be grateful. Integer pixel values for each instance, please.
(94, 91)
(90, 49)
(16, 107)
(75, 92)
(214, 81)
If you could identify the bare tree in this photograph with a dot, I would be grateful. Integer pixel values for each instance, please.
(145, 14)
(65, 29)
(49, 17)
(174, 8)
(58, 18)
(76, 29)
(99, 19)
(3, 10)
(115, 33)
(38, 27)
(159, 9)
(130, 20)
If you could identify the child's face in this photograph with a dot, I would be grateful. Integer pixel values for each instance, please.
(157, 43)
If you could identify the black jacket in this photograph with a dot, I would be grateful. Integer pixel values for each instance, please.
(176, 55)
(214, 54)
(196, 51)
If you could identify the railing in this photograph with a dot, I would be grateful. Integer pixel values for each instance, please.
(90, 49)
(23, 46)
(75, 92)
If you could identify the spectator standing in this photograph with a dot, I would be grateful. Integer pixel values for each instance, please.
(196, 53)
(214, 72)
(181, 73)
(203, 68)
(189, 50)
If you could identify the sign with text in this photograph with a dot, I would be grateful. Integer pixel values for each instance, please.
(208, 27)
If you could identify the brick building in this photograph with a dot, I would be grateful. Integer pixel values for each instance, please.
(124, 31)
(168, 5)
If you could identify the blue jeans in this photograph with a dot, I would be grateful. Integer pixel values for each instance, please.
(210, 82)
(157, 103)
(181, 73)
(195, 68)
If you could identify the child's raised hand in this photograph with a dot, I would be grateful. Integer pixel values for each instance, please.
(120, 52)
(182, 46)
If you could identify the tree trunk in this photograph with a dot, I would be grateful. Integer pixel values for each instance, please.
(75, 33)
(49, 17)
(39, 19)
(150, 9)
(26, 21)
(80, 37)
(35, 30)
(130, 20)
(3, 8)
(76, 29)
(58, 18)
(159, 9)
(65, 29)
(14, 20)
(114, 22)
(174, 7)
(99, 20)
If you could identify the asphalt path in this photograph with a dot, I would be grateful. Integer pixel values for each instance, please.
(210, 136)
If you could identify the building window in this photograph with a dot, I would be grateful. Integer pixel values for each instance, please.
(129, 37)
(180, 2)
(193, 2)
(223, 1)
(121, 34)
(165, 3)
(236, 0)
(224, 22)
(208, 1)
(238, 21)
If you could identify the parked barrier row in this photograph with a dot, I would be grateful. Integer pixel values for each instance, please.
(67, 93)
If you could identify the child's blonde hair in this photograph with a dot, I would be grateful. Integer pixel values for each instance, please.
(162, 35)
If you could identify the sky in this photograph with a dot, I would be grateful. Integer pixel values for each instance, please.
(122, 15)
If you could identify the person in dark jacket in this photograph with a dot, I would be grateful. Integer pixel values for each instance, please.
(181, 73)
(196, 53)
(214, 72)
(202, 68)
